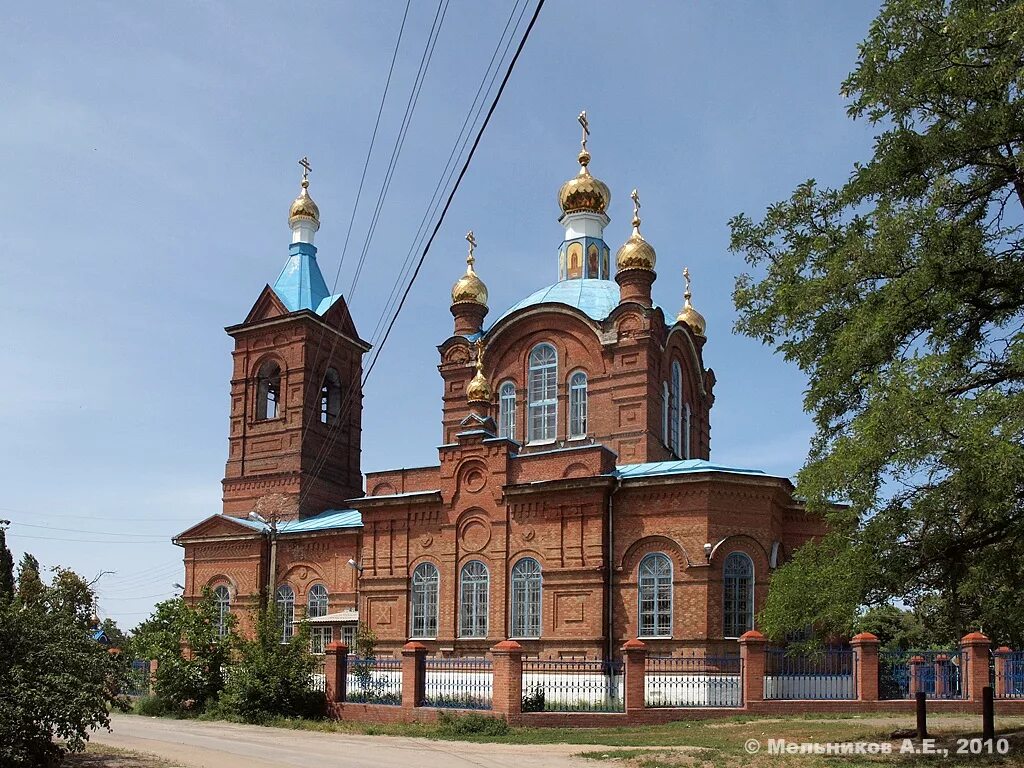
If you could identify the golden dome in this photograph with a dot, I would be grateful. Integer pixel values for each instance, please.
(469, 287)
(303, 206)
(636, 253)
(584, 192)
(688, 315)
(478, 390)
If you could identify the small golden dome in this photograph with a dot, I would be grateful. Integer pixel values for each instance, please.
(636, 253)
(303, 206)
(688, 315)
(584, 192)
(469, 287)
(478, 390)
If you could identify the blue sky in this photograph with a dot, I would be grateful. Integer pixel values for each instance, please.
(149, 157)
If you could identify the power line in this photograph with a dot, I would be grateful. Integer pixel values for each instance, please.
(87, 541)
(451, 196)
(95, 533)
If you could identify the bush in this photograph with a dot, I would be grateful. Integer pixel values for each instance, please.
(533, 701)
(471, 724)
(150, 706)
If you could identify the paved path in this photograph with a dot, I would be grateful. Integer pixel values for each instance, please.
(226, 745)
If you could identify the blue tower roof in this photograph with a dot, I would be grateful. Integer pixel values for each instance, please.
(595, 298)
(301, 285)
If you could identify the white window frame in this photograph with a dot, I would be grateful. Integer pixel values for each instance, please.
(424, 600)
(222, 599)
(578, 383)
(317, 604)
(526, 613)
(736, 618)
(654, 587)
(507, 410)
(474, 599)
(542, 394)
(285, 600)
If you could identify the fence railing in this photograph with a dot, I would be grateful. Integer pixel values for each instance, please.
(138, 678)
(714, 681)
(319, 676)
(1008, 675)
(938, 674)
(458, 683)
(372, 680)
(828, 674)
(573, 686)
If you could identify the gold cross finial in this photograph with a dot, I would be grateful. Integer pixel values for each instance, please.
(479, 354)
(636, 208)
(306, 170)
(586, 129)
(686, 277)
(471, 239)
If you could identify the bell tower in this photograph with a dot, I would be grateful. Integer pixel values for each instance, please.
(296, 393)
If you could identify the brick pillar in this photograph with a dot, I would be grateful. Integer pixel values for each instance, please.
(414, 674)
(335, 671)
(153, 664)
(1003, 687)
(507, 688)
(916, 666)
(635, 654)
(865, 647)
(752, 655)
(941, 675)
(976, 647)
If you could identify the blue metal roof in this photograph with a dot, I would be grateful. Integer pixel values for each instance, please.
(325, 521)
(301, 285)
(595, 298)
(687, 466)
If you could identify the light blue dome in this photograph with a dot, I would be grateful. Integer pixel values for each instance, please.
(595, 298)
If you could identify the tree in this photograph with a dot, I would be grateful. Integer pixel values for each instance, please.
(6, 568)
(900, 294)
(192, 657)
(30, 583)
(117, 638)
(56, 681)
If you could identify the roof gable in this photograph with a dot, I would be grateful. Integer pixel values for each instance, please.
(220, 525)
(267, 307)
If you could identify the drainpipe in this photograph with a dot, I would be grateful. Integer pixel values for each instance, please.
(610, 627)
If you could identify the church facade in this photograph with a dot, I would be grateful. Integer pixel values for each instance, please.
(574, 504)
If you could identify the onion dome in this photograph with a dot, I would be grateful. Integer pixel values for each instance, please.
(478, 390)
(636, 253)
(303, 207)
(469, 287)
(584, 192)
(689, 315)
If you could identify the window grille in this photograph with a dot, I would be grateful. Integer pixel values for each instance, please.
(542, 393)
(578, 405)
(526, 598)
(222, 599)
(473, 605)
(655, 590)
(425, 585)
(286, 612)
(738, 588)
(507, 411)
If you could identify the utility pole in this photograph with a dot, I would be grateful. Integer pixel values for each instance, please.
(271, 533)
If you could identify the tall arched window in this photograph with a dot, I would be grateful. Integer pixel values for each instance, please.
(738, 594)
(507, 410)
(316, 605)
(286, 612)
(542, 392)
(222, 599)
(664, 412)
(473, 602)
(675, 400)
(526, 598)
(425, 585)
(268, 391)
(578, 405)
(686, 431)
(330, 397)
(655, 595)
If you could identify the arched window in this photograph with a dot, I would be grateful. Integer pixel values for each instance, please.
(473, 600)
(268, 391)
(330, 397)
(507, 410)
(578, 405)
(425, 585)
(664, 412)
(316, 606)
(655, 595)
(222, 599)
(675, 400)
(738, 594)
(686, 431)
(286, 612)
(526, 598)
(542, 392)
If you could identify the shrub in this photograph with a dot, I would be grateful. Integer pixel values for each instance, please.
(533, 701)
(471, 724)
(150, 706)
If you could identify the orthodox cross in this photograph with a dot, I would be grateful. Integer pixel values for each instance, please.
(636, 203)
(306, 168)
(479, 354)
(586, 128)
(472, 244)
(686, 277)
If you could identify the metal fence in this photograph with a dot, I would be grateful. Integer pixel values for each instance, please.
(1008, 675)
(319, 676)
(573, 686)
(138, 678)
(713, 681)
(372, 680)
(939, 674)
(463, 683)
(828, 674)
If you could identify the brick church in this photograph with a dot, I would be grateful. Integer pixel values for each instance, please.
(573, 506)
